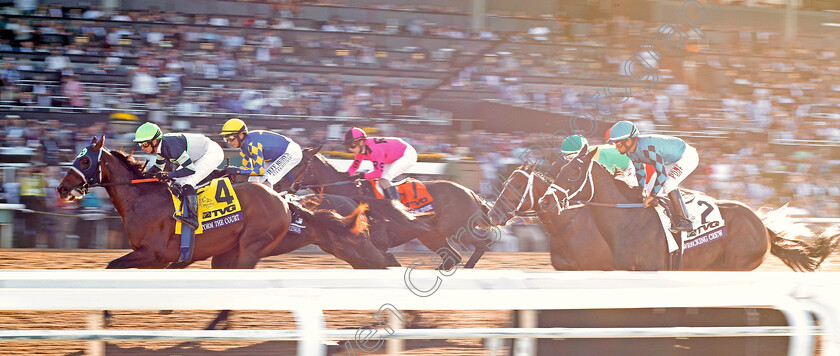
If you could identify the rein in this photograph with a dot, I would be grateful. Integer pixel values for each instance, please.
(89, 183)
(306, 166)
(326, 184)
(605, 205)
(133, 181)
(579, 203)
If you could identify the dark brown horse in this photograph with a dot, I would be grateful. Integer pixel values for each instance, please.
(637, 239)
(575, 244)
(459, 215)
(146, 210)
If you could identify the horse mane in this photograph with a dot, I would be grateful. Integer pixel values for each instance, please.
(528, 167)
(629, 192)
(323, 160)
(134, 165)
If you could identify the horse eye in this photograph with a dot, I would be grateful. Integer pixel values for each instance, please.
(575, 174)
(85, 162)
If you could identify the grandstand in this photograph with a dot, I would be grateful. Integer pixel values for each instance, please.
(758, 100)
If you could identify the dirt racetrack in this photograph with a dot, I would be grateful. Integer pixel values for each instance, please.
(94, 259)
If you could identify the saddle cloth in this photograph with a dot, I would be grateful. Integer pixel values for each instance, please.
(413, 194)
(706, 221)
(218, 206)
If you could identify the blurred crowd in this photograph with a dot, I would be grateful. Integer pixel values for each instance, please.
(767, 106)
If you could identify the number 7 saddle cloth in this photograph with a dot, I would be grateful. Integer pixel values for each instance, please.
(218, 206)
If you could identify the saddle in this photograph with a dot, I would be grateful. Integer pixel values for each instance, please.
(218, 205)
(413, 194)
(706, 221)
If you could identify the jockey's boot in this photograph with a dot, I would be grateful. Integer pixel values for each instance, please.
(189, 214)
(391, 193)
(679, 215)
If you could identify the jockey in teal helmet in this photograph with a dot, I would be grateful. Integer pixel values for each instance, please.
(607, 154)
(671, 158)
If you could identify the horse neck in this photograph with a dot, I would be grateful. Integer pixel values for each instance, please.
(539, 187)
(326, 172)
(126, 197)
(610, 221)
(607, 188)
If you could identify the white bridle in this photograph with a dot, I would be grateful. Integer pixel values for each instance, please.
(554, 187)
(529, 189)
(82, 190)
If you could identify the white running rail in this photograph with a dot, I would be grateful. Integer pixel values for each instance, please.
(308, 292)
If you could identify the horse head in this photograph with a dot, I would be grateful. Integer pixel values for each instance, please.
(569, 182)
(517, 196)
(301, 174)
(84, 172)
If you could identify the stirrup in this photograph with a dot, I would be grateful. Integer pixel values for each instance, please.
(186, 221)
(683, 226)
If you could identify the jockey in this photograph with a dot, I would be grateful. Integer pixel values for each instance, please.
(194, 155)
(267, 157)
(607, 155)
(671, 158)
(390, 156)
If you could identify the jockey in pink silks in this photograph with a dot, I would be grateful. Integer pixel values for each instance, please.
(391, 156)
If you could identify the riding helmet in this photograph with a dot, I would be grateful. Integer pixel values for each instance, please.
(233, 126)
(623, 130)
(573, 144)
(353, 135)
(146, 132)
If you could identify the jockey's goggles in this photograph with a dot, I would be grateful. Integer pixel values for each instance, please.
(354, 144)
(230, 137)
(619, 144)
(145, 144)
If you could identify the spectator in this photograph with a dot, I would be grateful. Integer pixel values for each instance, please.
(143, 84)
(33, 194)
(57, 61)
(9, 75)
(74, 90)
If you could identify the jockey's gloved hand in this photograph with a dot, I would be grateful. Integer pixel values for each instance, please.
(358, 176)
(161, 176)
(231, 171)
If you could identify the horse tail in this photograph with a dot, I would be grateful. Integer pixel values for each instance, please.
(350, 225)
(786, 241)
(357, 220)
(388, 210)
(794, 253)
(825, 244)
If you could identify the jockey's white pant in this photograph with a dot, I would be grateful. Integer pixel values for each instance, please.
(280, 166)
(677, 171)
(401, 165)
(205, 165)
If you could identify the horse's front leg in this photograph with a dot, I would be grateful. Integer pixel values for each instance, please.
(142, 258)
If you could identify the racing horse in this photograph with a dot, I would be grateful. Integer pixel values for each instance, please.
(146, 209)
(575, 243)
(636, 237)
(459, 213)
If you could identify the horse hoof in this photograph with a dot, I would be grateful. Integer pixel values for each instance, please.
(106, 319)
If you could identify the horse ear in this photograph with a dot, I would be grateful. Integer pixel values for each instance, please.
(585, 148)
(590, 155)
(93, 140)
(317, 149)
(99, 144)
